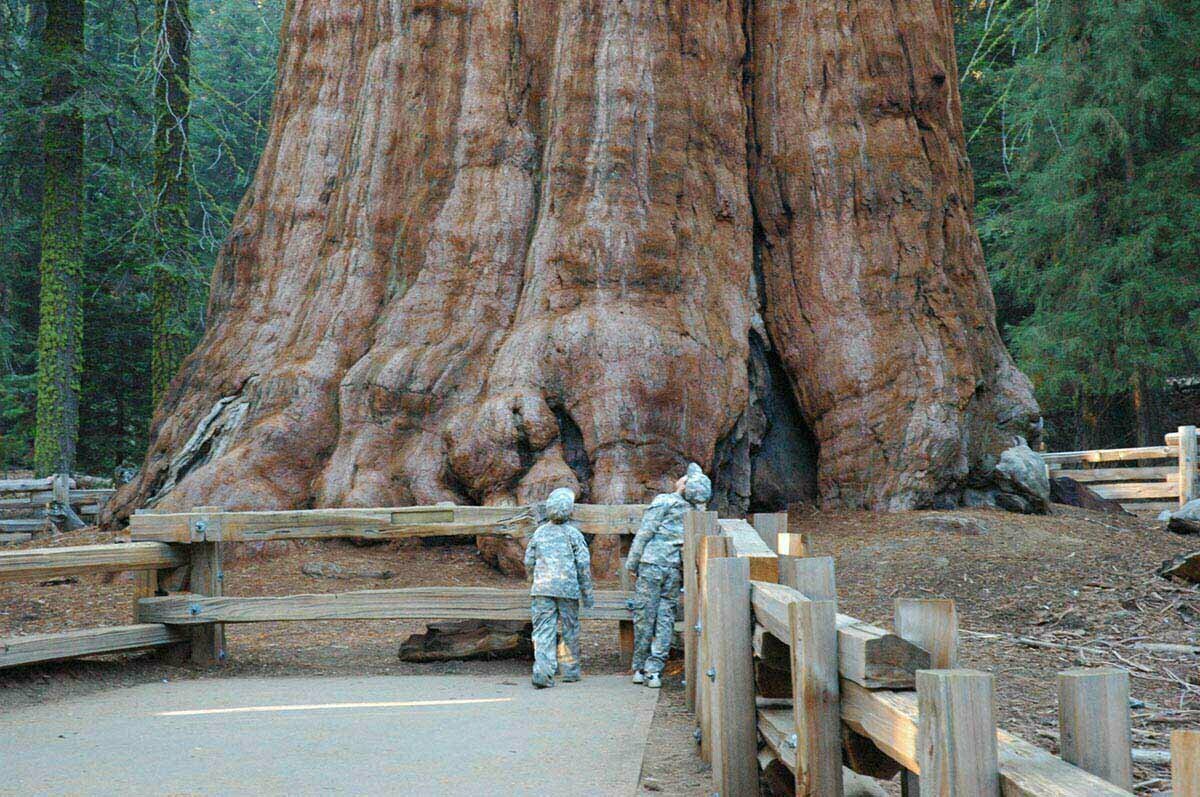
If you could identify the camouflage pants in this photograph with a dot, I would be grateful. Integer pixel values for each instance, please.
(655, 604)
(549, 655)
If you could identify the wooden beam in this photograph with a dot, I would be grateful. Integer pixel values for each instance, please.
(734, 718)
(695, 526)
(956, 734)
(22, 525)
(26, 485)
(932, 625)
(42, 563)
(1156, 473)
(791, 544)
(1093, 722)
(889, 719)
(747, 544)
(769, 526)
(711, 547)
(380, 523)
(416, 603)
(812, 576)
(1124, 491)
(51, 647)
(1185, 763)
(867, 655)
(1112, 455)
(1187, 464)
(815, 698)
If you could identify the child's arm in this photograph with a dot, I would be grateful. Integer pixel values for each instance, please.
(650, 521)
(583, 568)
(531, 555)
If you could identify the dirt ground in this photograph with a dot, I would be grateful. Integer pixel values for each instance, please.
(1035, 595)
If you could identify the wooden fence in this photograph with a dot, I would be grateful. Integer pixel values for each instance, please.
(1143, 488)
(167, 550)
(781, 683)
(28, 506)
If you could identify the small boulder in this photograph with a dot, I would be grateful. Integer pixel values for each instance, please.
(1021, 474)
(1186, 519)
(460, 640)
(1065, 490)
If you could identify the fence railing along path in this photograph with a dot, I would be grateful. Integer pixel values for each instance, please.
(777, 677)
(1141, 489)
(27, 506)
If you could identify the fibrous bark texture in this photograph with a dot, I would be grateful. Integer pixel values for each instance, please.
(500, 246)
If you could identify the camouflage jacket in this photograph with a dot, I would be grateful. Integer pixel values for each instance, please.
(660, 538)
(558, 558)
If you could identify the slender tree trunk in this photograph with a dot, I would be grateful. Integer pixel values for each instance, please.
(60, 333)
(1143, 411)
(172, 61)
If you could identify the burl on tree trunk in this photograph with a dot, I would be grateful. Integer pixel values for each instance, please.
(499, 246)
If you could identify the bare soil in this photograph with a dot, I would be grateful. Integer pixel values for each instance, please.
(1035, 595)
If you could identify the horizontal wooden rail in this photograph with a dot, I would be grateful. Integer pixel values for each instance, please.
(51, 647)
(867, 655)
(417, 603)
(374, 523)
(890, 720)
(39, 563)
(1156, 473)
(1112, 454)
(1131, 490)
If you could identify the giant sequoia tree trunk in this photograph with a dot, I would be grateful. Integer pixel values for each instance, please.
(497, 246)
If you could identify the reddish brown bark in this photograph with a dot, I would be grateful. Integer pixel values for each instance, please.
(499, 246)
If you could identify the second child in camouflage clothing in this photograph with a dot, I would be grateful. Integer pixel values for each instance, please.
(557, 559)
(656, 558)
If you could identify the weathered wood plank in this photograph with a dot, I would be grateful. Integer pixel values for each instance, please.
(747, 544)
(867, 655)
(1112, 455)
(1148, 474)
(769, 526)
(1135, 490)
(1187, 463)
(1185, 763)
(734, 718)
(956, 734)
(51, 647)
(41, 563)
(26, 485)
(932, 625)
(889, 719)
(711, 547)
(1094, 724)
(695, 526)
(22, 525)
(416, 603)
(373, 523)
(815, 698)
(791, 544)
(812, 576)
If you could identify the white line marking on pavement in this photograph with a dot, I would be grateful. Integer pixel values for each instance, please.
(326, 706)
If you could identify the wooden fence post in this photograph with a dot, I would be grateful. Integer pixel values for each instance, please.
(1187, 464)
(769, 526)
(712, 547)
(1185, 763)
(791, 544)
(1093, 722)
(811, 576)
(931, 624)
(695, 526)
(208, 639)
(956, 734)
(734, 719)
(816, 705)
(625, 627)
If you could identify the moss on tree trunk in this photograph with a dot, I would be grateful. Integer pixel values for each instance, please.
(60, 332)
(172, 62)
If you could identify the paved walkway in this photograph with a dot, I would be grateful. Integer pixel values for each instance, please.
(404, 735)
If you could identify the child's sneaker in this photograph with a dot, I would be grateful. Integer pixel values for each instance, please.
(541, 681)
(639, 677)
(654, 680)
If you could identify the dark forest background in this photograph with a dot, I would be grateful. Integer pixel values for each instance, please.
(1083, 127)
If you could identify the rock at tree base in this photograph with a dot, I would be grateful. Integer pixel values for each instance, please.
(1186, 519)
(469, 639)
(1065, 490)
(1021, 475)
(1185, 567)
(336, 571)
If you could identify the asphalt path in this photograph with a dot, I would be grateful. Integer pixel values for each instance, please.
(401, 735)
